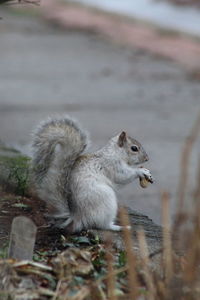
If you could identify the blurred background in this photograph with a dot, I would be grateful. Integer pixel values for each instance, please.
(181, 15)
(49, 68)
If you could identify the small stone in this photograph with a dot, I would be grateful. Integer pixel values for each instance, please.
(22, 238)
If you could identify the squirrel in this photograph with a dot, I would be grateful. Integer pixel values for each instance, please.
(82, 186)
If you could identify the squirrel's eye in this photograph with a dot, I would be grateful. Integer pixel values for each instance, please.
(134, 148)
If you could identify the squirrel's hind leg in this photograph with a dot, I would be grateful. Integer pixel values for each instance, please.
(114, 227)
(66, 225)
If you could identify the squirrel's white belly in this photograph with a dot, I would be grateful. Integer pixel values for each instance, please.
(95, 201)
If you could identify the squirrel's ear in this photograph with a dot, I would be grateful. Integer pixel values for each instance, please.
(122, 139)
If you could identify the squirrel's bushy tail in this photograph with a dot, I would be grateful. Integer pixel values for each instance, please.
(56, 145)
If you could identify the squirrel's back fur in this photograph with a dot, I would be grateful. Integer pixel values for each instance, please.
(56, 145)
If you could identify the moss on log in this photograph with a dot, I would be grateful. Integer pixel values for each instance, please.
(14, 170)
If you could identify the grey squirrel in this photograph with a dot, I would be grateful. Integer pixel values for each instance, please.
(82, 186)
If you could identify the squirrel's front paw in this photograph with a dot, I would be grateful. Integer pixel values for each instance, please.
(146, 174)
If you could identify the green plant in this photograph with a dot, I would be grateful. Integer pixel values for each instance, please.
(17, 170)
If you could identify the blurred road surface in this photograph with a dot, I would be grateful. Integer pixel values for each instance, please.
(45, 71)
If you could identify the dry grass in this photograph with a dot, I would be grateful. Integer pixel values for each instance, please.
(167, 243)
(184, 170)
(179, 275)
(131, 257)
(146, 265)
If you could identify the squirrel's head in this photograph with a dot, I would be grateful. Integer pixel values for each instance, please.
(135, 153)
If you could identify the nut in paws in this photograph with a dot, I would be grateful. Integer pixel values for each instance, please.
(146, 178)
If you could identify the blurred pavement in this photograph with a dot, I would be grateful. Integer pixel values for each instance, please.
(45, 70)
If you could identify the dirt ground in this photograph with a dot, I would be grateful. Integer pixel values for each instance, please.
(48, 237)
(46, 70)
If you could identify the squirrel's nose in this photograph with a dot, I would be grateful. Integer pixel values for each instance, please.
(146, 158)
